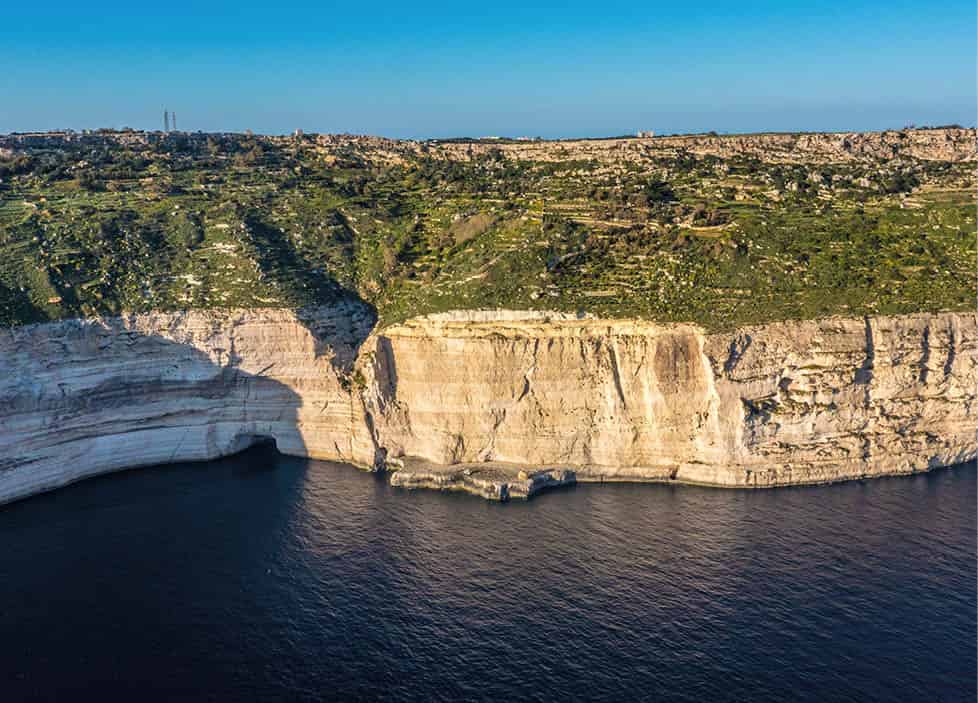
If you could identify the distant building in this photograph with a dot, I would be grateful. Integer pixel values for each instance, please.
(645, 134)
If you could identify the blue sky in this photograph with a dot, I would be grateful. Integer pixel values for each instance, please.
(493, 68)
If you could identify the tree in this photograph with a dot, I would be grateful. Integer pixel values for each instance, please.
(87, 180)
(658, 191)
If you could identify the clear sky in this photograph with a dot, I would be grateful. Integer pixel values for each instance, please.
(404, 69)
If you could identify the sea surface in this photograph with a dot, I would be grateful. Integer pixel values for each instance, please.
(268, 578)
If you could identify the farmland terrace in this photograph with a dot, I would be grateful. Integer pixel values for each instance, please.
(719, 230)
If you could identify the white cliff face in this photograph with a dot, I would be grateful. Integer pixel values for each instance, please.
(79, 398)
(793, 402)
(837, 399)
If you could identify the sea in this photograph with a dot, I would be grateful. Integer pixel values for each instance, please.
(261, 577)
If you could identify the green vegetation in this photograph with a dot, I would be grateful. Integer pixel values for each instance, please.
(126, 221)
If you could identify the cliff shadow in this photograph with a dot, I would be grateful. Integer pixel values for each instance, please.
(385, 369)
(339, 328)
(305, 279)
(79, 398)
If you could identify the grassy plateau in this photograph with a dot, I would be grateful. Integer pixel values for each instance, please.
(719, 230)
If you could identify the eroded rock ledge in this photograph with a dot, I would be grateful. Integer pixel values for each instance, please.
(498, 403)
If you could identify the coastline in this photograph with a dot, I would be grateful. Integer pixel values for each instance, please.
(502, 404)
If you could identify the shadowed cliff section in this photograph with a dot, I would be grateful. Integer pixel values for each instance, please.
(79, 398)
(167, 403)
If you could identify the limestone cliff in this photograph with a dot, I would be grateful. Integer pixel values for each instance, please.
(79, 398)
(498, 403)
(787, 403)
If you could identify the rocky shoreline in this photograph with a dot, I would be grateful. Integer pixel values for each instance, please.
(502, 404)
(492, 481)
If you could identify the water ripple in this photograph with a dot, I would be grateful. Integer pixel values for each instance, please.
(262, 577)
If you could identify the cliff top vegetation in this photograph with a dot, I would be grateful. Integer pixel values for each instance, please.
(719, 230)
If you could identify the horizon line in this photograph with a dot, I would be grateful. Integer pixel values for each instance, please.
(464, 138)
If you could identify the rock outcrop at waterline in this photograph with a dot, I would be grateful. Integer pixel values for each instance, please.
(500, 403)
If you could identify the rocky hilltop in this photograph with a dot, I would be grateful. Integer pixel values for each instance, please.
(952, 144)
(497, 403)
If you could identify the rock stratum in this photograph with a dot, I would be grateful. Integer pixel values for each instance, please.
(500, 403)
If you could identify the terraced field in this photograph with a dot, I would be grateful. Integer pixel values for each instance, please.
(718, 230)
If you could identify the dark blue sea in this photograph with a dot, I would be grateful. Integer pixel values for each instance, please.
(268, 578)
